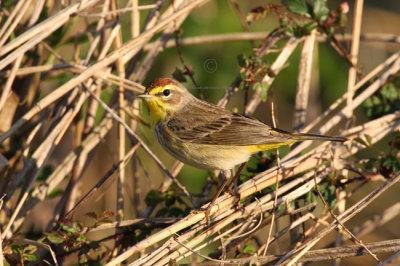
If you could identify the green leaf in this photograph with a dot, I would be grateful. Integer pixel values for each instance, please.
(320, 10)
(311, 197)
(5, 262)
(30, 248)
(55, 192)
(299, 7)
(81, 238)
(249, 249)
(83, 38)
(17, 249)
(243, 60)
(70, 229)
(390, 92)
(46, 171)
(54, 237)
(264, 90)
(153, 198)
(30, 257)
(257, 86)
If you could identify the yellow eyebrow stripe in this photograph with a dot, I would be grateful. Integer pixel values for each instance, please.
(156, 90)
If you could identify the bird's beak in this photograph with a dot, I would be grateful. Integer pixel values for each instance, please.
(145, 96)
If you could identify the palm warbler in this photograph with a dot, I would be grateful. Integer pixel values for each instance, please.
(205, 135)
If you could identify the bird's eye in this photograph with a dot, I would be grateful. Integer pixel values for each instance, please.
(166, 92)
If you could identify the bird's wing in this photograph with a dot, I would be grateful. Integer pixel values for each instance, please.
(218, 126)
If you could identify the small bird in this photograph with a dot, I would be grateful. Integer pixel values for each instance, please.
(205, 135)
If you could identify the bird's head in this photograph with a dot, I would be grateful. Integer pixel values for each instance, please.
(164, 96)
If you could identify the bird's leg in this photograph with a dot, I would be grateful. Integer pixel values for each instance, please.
(220, 189)
(233, 181)
(208, 209)
(230, 181)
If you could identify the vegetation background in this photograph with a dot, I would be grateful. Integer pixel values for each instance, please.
(59, 143)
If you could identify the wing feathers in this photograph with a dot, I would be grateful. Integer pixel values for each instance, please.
(220, 127)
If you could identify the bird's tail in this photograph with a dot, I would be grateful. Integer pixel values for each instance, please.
(300, 136)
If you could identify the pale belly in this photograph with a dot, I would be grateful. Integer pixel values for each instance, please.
(205, 156)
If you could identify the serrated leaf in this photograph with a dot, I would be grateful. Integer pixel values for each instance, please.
(299, 7)
(320, 10)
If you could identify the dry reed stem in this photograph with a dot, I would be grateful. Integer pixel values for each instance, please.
(392, 260)
(303, 82)
(191, 240)
(43, 246)
(292, 225)
(263, 204)
(128, 48)
(10, 81)
(35, 35)
(65, 167)
(227, 201)
(15, 22)
(248, 36)
(159, 44)
(355, 44)
(376, 85)
(124, 161)
(274, 69)
(326, 254)
(144, 146)
(378, 220)
(11, 17)
(256, 184)
(39, 158)
(349, 213)
(362, 82)
(121, 131)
